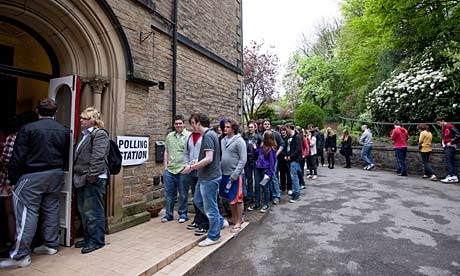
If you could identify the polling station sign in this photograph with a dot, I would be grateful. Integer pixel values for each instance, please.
(134, 149)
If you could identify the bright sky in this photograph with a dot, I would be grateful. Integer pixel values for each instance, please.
(280, 23)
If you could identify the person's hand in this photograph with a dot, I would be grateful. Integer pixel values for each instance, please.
(448, 144)
(187, 169)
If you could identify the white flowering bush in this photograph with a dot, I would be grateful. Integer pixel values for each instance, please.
(418, 94)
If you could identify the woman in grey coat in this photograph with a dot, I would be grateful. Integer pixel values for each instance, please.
(90, 178)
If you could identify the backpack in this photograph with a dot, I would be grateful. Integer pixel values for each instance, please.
(114, 158)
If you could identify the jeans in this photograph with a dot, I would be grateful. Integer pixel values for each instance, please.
(90, 202)
(319, 155)
(200, 218)
(426, 163)
(259, 174)
(249, 173)
(401, 159)
(366, 156)
(206, 199)
(285, 176)
(274, 183)
(172, 183)
(311, 161)
(450, 160)
(302, 171)
(294, 169)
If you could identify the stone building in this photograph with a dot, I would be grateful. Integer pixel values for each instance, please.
(138, 61)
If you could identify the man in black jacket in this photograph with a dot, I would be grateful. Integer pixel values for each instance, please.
(293, 155)
(37, 165)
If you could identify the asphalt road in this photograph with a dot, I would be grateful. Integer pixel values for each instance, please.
(351, 222)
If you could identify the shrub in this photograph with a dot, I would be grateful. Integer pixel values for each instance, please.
(308, 113)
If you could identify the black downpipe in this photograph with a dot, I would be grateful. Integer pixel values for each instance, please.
(174, 57)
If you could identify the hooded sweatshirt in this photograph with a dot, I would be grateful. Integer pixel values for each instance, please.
(234, 156)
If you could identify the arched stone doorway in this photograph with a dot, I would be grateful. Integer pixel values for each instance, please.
(84, 41)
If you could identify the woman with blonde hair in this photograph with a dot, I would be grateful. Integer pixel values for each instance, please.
(345, 148)
(331, 147)
(90, 178)
(424, 142)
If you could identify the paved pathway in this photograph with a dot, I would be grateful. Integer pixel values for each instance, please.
(352, 222)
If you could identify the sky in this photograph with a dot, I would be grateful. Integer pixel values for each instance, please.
(279, 24)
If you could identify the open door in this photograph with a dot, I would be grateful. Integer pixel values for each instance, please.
(66, 92)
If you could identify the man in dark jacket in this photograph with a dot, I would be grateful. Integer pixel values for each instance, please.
(293, 155)
(37, 168)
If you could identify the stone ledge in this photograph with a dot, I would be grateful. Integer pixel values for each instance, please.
(128, 222)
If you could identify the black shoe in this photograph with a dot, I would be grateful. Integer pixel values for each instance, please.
(192, 226)
(80, 244)
(86, 250)
(402, 174)
(200, 231)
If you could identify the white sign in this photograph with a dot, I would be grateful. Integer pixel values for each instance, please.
(134, 149)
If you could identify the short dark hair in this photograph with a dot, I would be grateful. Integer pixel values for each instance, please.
(440, 118)
(47, 107)
(290, 125)
(203, 119)
(179, 117)
(193, 116)
(397, 123)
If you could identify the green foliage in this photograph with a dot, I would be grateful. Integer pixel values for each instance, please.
(266, 111)
(308, 113)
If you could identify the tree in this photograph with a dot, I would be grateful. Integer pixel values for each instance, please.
(292, 83)
(266, 111)
(260, 70)
(308, 113)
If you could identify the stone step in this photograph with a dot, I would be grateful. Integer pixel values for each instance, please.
(187, 263)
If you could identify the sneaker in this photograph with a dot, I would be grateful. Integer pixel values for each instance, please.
(163, 220)
(290, 192)
(45, 250)
(276, 201)
(182, 220)
(302, 187)
(425, 176)
(207, 242)
(192, 226)
(366, 167)
(323, 165)
(264, 209)
(433, 178)
(253, 207)
(314, 177)
(450, 179)
(309, 176)
(12, 263)
(200, 231)
(370, 167)
(294, 199)
(225, 224)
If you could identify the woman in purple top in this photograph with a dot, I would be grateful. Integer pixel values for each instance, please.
(265, 156)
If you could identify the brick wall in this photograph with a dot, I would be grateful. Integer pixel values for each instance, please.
(384, 158)
(203, 85)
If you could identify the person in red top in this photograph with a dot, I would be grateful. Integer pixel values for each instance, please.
(399, 136)
(450, 139)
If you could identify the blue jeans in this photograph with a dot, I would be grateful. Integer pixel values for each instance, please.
(90, 202)
(249, 173)
(206, 199)
(191, 180)
(401, 159)
(366, 155)
(428, 170)
(259, 174)
(450, 160)
(294, 169)
(302, 171)
(173, 183)
(274, 183)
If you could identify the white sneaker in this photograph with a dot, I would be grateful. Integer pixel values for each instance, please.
(370, 167)
(323, 165)
(314, 177)
(12, 263)
(433, 178)
(43, 249)
(290, 192)
(225, 225)
(207, 242)
(366, 167)
(450, 179)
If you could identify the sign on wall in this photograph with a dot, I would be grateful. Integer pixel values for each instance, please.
(134, 149)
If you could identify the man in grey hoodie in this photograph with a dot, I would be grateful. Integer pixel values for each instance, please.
(366, 141)
(234, 156)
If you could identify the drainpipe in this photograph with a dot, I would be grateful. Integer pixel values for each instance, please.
(174, 57)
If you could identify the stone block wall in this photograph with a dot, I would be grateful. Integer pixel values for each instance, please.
(384, 158)
(203, 85)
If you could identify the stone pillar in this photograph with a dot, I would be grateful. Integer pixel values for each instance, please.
(97, 86)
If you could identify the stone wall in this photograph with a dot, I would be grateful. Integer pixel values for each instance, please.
(384, 158)
(203, 85)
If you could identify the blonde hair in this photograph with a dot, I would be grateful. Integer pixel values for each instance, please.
(94, 115)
